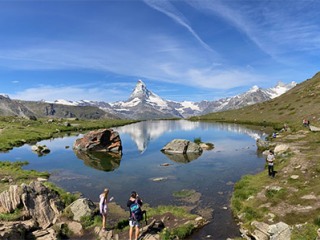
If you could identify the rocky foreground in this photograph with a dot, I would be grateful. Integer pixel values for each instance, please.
(42, 215)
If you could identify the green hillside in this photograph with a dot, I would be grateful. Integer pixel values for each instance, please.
(293, 195)
(302, 101)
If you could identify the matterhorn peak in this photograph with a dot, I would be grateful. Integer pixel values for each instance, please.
(140, 91)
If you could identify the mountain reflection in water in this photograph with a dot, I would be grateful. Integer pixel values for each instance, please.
(212, 174)
(105, 161)
(144, 132)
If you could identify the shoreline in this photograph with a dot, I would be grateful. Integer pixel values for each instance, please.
(291, 196)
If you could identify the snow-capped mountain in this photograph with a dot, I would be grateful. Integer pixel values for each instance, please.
(144, 104)
(254, 95)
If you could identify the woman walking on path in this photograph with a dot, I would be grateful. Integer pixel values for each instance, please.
(103, 206)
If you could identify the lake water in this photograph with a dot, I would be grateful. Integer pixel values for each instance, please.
(212, 174)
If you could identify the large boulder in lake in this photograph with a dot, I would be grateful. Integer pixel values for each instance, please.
(106, 140)
(181, 146)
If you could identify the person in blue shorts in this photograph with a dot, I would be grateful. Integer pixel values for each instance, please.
(134, 221)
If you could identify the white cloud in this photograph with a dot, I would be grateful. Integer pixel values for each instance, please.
(73, 93)
(276, 27)
(168, 9)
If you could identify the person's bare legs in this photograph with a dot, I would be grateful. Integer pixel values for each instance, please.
(130, 233)
(137, 232)
(104, 220)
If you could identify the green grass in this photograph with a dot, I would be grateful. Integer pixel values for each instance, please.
(183, 193)
(307, 231)
(18, 131)
(176, 211)
(180, 232)
(14, 172)
(15, 216)
(291, 108)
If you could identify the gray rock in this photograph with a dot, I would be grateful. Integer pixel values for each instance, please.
(82, 207)
(45, 234)
(76, 228)
(278, 231)
(16, 230)
(314, 129)
(11, 199)
(41, 204)
(181, 146)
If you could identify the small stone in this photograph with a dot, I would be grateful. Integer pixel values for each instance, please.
(165, 164)
(42, 179)
(294, 177)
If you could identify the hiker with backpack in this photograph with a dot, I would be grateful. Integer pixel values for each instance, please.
(103, 207)
(134, 203)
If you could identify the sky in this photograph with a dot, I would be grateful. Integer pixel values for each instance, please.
(183, 50)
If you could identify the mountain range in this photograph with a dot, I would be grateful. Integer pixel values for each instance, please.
(142, 104)
(300, 102)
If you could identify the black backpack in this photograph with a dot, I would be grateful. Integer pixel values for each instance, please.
(136, 211)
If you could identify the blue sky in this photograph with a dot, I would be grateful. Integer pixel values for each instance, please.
(183, 50)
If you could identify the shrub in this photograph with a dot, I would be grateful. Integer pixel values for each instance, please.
(317, 221)
(197, 140)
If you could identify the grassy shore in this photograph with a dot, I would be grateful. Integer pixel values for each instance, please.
(18, 131)
(293, 196)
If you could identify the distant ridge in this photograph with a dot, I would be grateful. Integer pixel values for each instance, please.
(300, 102)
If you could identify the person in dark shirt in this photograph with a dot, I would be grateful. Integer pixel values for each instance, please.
(134, 223)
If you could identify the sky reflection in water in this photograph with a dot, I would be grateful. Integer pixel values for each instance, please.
(210, 174)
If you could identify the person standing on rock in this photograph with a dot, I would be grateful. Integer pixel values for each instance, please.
(270, 161)
(103, 207)
(134, 203)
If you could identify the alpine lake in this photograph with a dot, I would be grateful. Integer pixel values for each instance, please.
(210, 176)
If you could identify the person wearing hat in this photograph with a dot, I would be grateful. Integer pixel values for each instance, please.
(103, 207)
(134, 223)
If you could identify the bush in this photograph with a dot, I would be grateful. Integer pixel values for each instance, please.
(197, 140)
(317, 221)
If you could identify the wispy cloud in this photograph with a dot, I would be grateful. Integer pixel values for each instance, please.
(73, 93)
(168, 9)
(275, 27)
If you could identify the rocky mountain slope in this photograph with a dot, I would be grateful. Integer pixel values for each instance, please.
(29, 109)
